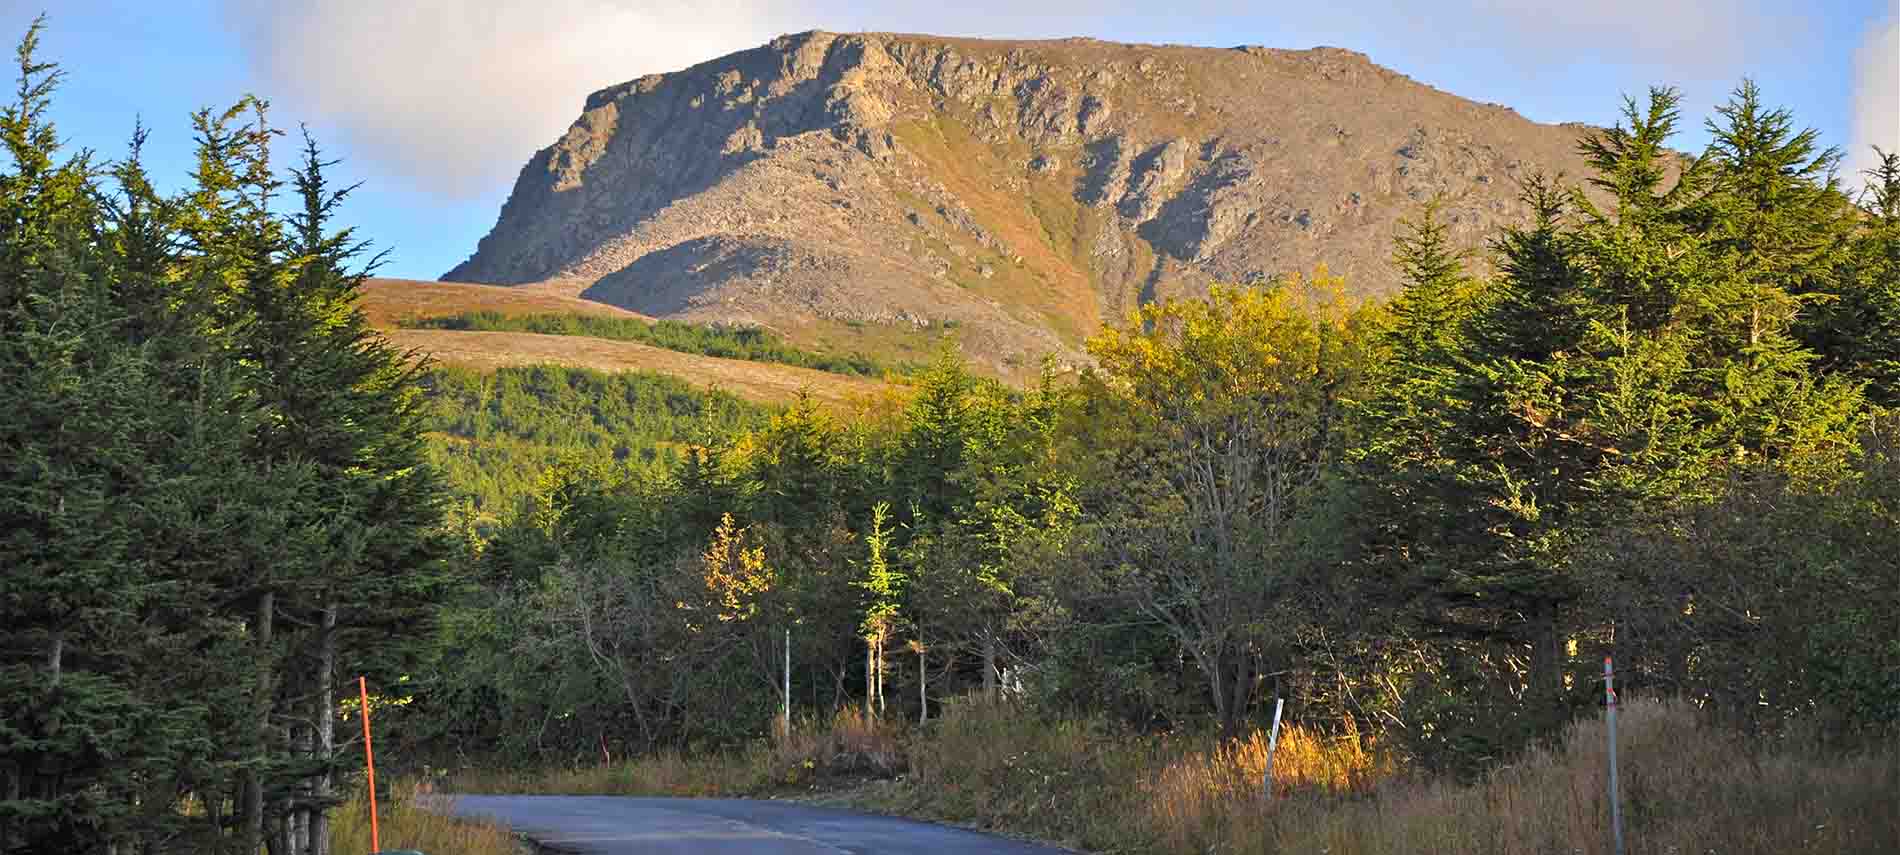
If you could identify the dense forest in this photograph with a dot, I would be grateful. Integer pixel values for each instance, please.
(1651, 422)
(494, 435)
(1656, 428)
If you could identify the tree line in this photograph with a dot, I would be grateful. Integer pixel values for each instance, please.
(493, 434)
(214, 499)
(1650, 422)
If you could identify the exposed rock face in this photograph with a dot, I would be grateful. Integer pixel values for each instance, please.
(1018, 192)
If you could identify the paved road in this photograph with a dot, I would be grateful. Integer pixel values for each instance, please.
(614, 825)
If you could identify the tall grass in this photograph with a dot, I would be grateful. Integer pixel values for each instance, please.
(406, 824)
(847, 746)
(1687, 788)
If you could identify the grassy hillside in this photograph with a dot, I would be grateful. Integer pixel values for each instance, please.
(756, 381)
(509, 405)
(391, 304)
(752, 344)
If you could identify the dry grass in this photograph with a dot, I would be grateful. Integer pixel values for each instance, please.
(758, 381)
(1194, 797)
(386, 301)
(1687, 789)
(406, 825)
(846, 747)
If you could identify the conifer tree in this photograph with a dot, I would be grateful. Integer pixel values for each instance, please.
(1858, 334)
(208, 457)
(936, 440)
(1429, 312)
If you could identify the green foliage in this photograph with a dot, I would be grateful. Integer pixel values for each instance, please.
(1667, 366)
(1223, 413)
(1858, 333)
(494, 434)
(211, 488)
(1643, 434)
(882, 585)
(753, 344)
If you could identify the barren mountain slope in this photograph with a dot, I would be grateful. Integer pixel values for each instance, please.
(850, 190)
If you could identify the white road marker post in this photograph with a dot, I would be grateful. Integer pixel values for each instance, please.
(1609, 697)
(788, 682)
(1273, 741)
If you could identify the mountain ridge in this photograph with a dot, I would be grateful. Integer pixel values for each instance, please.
(883, 188)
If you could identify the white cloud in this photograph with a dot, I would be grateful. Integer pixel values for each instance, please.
(453, 95)
(1876, 96)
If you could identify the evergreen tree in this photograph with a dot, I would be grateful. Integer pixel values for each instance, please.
(1429, 312)
(1858, 334)
(1536, 307)
(936, 440)
(208, 457)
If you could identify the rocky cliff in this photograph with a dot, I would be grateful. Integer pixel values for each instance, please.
(887, 191)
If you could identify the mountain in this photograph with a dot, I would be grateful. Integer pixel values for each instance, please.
(874, 191)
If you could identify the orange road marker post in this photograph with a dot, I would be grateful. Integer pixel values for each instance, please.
(1609, 699)
(369, 761)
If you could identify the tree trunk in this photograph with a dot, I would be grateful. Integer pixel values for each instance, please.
(1241, 692)
(923, 689)
(989, 665)
(325, 716)
(253, 786)
(284, 827)
(870, 678)
(1216, 671)
(1546, 665)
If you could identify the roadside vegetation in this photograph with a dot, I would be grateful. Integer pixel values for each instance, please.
(753, 344)
(1687, 786)
(405, 821)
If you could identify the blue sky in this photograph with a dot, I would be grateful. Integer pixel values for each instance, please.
(435, 104)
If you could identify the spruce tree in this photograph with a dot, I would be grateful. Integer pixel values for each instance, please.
(1857, 335)
(208, 458)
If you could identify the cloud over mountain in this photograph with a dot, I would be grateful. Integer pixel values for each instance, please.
(1876, 95)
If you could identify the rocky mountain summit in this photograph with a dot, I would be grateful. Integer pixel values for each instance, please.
(879, 190)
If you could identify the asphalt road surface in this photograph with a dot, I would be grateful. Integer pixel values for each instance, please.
(615, 825)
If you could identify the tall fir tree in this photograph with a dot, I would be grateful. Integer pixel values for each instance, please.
(1857, 334)
(209, 458)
